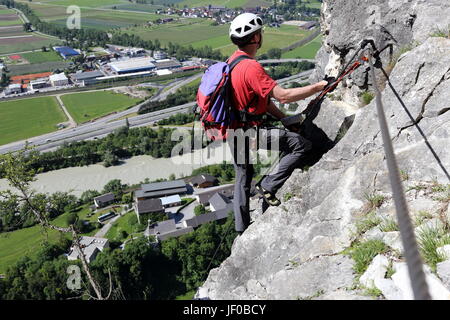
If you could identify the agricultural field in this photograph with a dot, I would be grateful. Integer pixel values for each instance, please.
(184, 32)
(83, 3)
(273, 38)
(26, 118)
(8, 17)
(91, 105)
(92, 17)
(14, 39)
(50, 66)
(308, 51)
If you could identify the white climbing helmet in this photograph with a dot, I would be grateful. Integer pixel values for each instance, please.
(245, 24)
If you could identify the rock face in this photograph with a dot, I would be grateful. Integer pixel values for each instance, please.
(295, 251)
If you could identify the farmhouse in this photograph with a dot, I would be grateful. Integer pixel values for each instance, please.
(166, 229)
(219, 202)
(171, 201)
(148, 206)
(208, 217)
(203, 181)
(160, 189)
(90, 246)
(203, 197)
(104, 200)
(132, 65)
(59, 80)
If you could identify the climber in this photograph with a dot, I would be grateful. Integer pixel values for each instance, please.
(252, 90)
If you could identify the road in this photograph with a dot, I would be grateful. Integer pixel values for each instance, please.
(104, 126)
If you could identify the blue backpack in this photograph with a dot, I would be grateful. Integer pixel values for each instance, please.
(217, 113)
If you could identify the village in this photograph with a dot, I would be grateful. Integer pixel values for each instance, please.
(204, 201)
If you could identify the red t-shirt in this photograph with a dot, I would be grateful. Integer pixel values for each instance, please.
(251, 84)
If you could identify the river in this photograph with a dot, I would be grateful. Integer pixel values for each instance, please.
(76, 180)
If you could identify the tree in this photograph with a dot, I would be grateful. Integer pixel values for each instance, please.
(115, 186)
(4, 80)
(274, 53)
(18, 170)
(200, 209)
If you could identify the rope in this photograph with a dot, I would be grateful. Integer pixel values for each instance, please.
(413, 259)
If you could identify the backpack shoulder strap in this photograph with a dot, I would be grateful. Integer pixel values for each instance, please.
(235, 62)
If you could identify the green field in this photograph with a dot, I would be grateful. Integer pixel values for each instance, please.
(83, 3)
(36, 42)
(17, 244)
(40, 57)
(307, 51)
(25, 242)
(183, 32)
(91, 105)
(26, 118)
(120, 225)
(192, 32)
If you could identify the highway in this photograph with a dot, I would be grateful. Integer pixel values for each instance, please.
(104, 126)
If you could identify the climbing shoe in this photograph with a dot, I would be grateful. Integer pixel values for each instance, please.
(268, 197)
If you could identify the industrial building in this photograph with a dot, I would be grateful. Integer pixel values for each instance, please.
(59, 80)
(39, 84)
(167, 64)
(66, 52)
(160, 189)
(88, 77)
(132, 65)
(14, 88)
(159, 55)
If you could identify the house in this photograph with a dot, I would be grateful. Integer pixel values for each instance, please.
(203, 181)
(160, 189)
(171, 201)
(104, 200)
(208, 217)
(148, 206)
(164, 230)
(219, 202)
(203, 197)
(90, 246)
(59, 80)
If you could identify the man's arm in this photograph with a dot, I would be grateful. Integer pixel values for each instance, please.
(295, 94)
(274, 111)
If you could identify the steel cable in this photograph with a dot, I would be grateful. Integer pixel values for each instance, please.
(413, 259)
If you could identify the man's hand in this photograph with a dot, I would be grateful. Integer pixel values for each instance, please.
(321, 85)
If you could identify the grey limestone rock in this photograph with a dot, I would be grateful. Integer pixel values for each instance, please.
(295, 250)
